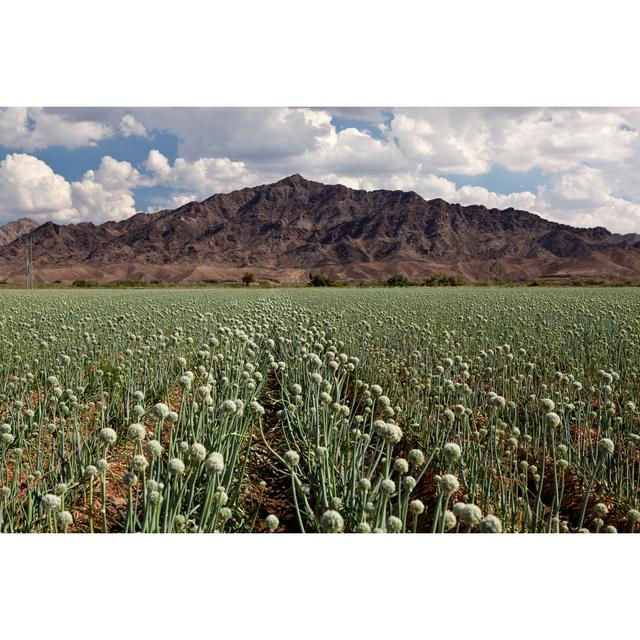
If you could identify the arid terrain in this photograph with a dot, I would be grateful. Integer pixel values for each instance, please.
(284, 231)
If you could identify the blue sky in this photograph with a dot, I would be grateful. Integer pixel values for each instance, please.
(572, 165)
(73, 163)
(501, 180)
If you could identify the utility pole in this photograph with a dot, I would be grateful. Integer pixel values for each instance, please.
(493, 267)
(29, 262)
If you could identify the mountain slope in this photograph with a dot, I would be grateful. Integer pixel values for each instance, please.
(16, 228)
(286, 229)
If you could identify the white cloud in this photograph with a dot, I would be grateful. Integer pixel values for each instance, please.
(585, 186)
(158, 165)
(28, 187)
(205, 176)
(586, 160)
(129, 126)
(32, 129)
(430, 186)
(247, 134)
(116, 174)
(443, 141)
(352, 152)
(523, 200)
(586, 198)
(172, 202)
(96, 203)
(105, 194)
(562, 139)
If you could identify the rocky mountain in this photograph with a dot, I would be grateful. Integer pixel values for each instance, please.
(12, 230)
(285, 230)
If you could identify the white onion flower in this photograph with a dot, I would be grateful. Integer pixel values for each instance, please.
(197, 452)
(605, 446)
(136, 431)
(292, 459)
(633, 515)
(388, 486)
(394, 524)
(229, 406)
(108, 436)
(51, 502)
(415, 457)
(552, 420)
(451, 452)
(547, 405)
(416, 507)
(450, 520)
(271, 522)
(160, 410)
(387, 431)
(130, 479)
(64, 518)
(176, 467)
(601, 509)
(490, 524)
(214, 463)
(448, 484)
(467, 514)
(332, 522)
(408, 483)
(154, 448)
(90, 471)
(139, 463)
(401, 466)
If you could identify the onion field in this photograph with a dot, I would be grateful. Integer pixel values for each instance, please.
(356, 410)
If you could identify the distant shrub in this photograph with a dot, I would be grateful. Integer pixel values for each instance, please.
(126, 284)
(321, 280)
(398, 280)
(118, 284)
(248, 278)
(442, 280)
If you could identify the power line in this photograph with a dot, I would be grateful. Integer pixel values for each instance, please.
(29, 262)
(493, 267)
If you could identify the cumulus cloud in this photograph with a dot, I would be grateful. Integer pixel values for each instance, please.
(443, 140)
(116, 174)
(352, 152)
(106, 193)
(247, 134)
(93, 202)
(431, 186)
(523, 200)
(205, 176)
(173, 202)
(562, 139)
(585, 197)
(129, 126)
(29, 187)
(585, 161)
(32, 129)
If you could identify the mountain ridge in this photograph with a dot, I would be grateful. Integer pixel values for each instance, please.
(286, 229)
(15, 229)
